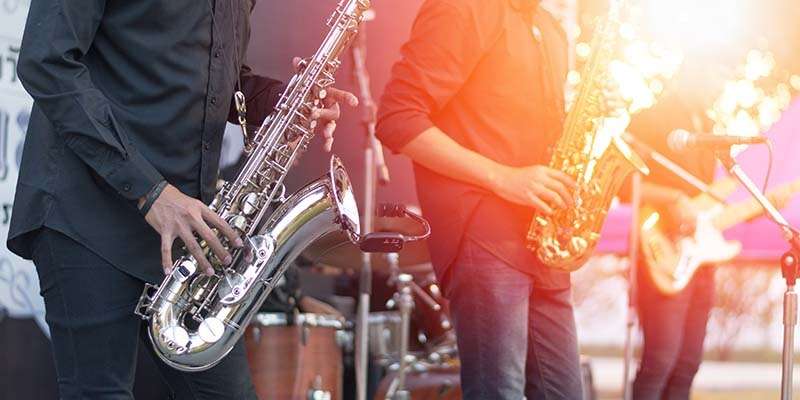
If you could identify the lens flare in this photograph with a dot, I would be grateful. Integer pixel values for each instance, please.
(753, 100)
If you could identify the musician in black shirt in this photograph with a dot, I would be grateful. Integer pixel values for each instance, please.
(128, 96)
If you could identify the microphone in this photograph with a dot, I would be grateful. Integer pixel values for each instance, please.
(681, 140)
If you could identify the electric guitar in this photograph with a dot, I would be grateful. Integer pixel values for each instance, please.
(673, 260)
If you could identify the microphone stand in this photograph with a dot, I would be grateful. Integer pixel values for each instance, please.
(789, 269)
(373, 161)
(671, 166)
(633, 261)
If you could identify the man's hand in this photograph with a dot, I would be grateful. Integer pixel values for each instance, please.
(614, 101)
(329, 113)
(537, 186)
(781, 197)
(683, 215)
(175, 215)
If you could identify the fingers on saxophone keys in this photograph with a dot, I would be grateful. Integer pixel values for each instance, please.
(196, 251)
(562, 192)
(563, 178)
(166, 252)
(217, 222)
(335, 96)
(213, 242)
(327, 133)
(551, 197)
(325, 114)
(298, 64)
(539, 204)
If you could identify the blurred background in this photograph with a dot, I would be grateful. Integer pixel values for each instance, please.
(746, 48)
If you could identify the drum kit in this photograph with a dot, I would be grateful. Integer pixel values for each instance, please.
(412, 343)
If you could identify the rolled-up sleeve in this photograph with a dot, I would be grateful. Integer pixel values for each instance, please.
(446, 44)
(57, 35)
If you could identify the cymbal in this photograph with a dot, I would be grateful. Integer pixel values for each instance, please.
(349, 256)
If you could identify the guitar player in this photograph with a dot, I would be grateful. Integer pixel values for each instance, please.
(674, 325)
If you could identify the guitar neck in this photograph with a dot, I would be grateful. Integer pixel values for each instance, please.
(737, 213)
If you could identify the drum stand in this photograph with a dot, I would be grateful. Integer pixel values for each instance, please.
(405, 303)
(403, 299)
(789, 265)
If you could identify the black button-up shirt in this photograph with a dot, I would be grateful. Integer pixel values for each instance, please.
(490, 74)
(126, 93)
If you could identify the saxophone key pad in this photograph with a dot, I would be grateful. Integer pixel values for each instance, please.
(211, 330)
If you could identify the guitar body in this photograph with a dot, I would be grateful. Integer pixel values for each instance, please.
(672, 263)
(672, 260)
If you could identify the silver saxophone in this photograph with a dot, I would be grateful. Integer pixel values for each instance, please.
(194, 320)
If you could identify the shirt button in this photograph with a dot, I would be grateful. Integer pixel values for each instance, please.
(126, 187)
(213, 100)
(206, 146)
(217, 54)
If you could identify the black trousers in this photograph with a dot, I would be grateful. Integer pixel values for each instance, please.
(674, 329)
(95, 335)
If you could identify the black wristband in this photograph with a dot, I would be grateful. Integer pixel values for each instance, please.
(151, 197)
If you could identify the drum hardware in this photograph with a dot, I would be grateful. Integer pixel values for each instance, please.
(404, 300)
(316, 393)
(384, 336)
(440, 382)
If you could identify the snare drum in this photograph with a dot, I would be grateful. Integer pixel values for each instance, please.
(295, 358)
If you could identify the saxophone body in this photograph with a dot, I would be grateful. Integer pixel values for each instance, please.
(195, 320)
(599, 163)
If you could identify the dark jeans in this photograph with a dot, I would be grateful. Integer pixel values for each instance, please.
(674, 329)
(95, 334)
(513, 340)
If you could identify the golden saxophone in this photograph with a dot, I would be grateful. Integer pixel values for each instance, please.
(195, 320)
(565, 239)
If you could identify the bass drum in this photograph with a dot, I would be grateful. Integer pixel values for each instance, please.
(296, 357)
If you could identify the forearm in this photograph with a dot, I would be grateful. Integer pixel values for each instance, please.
(436, 151)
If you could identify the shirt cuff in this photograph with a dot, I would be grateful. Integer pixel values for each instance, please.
(133, 176)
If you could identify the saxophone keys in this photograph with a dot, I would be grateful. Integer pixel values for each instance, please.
(542, 222)
(176, 338)
(211, 330)
(238, 222)
(578, 245)
(184, 271)
(249, 204)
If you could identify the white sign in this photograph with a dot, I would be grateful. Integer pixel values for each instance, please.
(19, 284)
